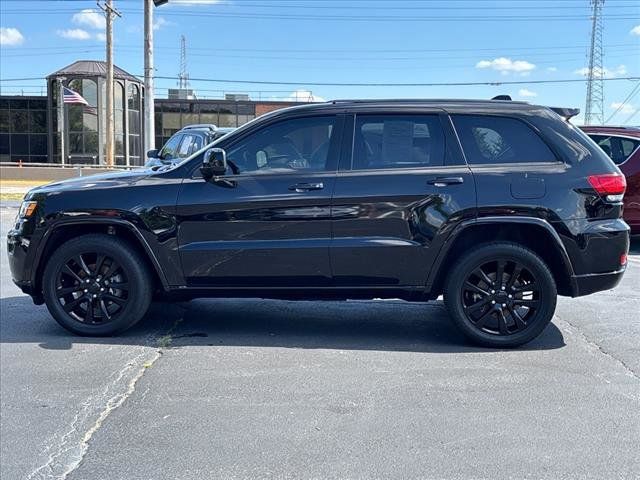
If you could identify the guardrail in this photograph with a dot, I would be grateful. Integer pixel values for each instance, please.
(53, 171)
(66, 165)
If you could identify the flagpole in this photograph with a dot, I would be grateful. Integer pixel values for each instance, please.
(61, 119)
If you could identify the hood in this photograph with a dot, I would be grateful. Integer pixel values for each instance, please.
(103, 180)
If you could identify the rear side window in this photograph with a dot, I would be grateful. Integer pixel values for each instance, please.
(488, 139)
(618, 148)
(398, 141)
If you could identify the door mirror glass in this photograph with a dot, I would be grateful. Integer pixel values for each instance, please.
(214, 163)
(152, 154)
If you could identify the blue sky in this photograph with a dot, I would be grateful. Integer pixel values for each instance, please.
(349, 41)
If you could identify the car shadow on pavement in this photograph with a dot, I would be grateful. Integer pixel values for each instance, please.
(634, 247)
(353, 325)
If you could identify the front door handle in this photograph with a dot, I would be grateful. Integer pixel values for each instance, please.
(444, 181)
(306, 187)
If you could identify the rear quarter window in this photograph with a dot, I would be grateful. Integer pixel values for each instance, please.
(489, 139)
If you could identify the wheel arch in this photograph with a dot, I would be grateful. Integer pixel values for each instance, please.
(66, 230)
(525, 231)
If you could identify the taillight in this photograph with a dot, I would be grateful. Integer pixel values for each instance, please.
(611, 185)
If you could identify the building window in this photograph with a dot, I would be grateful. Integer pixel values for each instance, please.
(134, 138)
(83, 122)
(23, 130)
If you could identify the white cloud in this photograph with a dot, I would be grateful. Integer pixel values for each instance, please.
(160, 22)
(74, 34)
(101, 37)
(10, 36)
(302, 95)
(606, 72)
(624, 108)
(506, 65)
(90, 18)
(523, 92)
(552, 69)
(635, 30)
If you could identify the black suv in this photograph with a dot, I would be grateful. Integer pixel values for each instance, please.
(498, 205)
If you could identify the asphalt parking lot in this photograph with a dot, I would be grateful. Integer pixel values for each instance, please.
(274, 389)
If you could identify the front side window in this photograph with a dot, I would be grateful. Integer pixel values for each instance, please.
(170, 149)
(490, 140)
(398, 141)
(300, 144)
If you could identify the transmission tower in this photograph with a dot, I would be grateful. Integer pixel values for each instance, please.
(183, 76)
(594, 109)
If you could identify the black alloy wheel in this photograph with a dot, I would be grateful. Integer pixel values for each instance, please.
(500, 294)
(501, 297)
(92, 288)
(97, 285)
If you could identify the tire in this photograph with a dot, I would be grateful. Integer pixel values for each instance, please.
(100, 271)
(492, 316)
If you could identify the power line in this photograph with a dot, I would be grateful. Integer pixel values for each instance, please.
(416, 84)
(633, 93)
(357, 18)
(355, 84)
(633, 114)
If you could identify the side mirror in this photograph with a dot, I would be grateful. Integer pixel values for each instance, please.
(152, 154)
(214, 163)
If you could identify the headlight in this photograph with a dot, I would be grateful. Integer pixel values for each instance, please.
(27, 209)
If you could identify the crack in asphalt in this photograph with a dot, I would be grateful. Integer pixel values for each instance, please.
(66, 451)
(601, 349)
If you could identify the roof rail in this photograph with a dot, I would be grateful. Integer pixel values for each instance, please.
(210, 126)
(502, 97)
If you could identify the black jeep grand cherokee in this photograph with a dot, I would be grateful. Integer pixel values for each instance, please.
(498, 205)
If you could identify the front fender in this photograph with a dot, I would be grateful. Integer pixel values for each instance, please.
(146, 239)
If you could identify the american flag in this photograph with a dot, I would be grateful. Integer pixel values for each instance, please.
(69, 96)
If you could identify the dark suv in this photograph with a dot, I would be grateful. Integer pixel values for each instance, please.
(498, 205)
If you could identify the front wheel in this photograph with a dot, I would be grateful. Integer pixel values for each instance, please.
(501, 295)
(96, 285)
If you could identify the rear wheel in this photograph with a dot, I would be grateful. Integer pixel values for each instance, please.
(96, 285)
(501, 295)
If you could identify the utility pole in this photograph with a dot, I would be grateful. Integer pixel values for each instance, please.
(149, 94)
(149, 106)
(109, 12)
(594, 109)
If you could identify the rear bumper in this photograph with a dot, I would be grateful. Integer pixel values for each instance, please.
(595, 282)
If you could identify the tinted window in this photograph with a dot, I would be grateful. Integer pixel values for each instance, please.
(185, 146)
(487, 139)
(618, 148)
(398, 141)
(298, 144)
(170, 150)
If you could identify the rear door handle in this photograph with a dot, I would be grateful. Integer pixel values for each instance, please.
(444, 181)
(306, 187)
